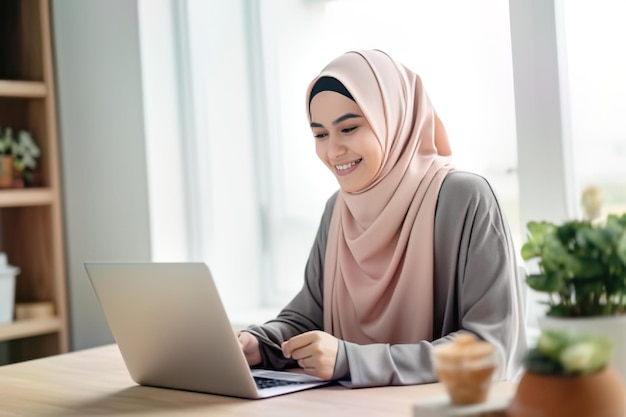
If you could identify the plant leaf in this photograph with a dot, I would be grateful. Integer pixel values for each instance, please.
(544, 283)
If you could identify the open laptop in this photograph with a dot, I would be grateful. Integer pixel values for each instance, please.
(173, 332)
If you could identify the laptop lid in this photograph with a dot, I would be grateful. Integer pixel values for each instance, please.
(172, 329)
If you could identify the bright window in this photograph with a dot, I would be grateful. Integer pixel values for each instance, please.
(596, 64)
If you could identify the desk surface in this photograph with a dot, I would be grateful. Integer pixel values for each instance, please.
(96, 382)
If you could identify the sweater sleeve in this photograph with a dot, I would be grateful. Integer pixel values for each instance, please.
(476, 289)
(477, 270)
(305, 311)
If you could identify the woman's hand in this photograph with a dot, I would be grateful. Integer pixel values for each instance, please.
(250, 347)
(316, 352)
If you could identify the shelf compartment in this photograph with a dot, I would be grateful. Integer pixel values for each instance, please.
(21, 40)
(26, 89)
(23, 197)
(30, 114)
(28, 328)
(26, 238)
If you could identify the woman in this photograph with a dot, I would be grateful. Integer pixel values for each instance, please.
(409, 250)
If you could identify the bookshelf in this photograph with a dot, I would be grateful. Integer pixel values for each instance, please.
(31, 220)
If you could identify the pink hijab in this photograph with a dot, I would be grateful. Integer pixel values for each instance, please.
(378, 271)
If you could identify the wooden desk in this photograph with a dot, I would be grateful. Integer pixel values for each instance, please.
(96, 382)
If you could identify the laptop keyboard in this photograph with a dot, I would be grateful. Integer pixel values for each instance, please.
(270, 383)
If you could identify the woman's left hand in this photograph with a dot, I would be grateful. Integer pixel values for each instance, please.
(315, 351)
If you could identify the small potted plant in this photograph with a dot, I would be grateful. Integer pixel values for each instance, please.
(569, 374)
(18, 158)
(6, 158)
(582, 269)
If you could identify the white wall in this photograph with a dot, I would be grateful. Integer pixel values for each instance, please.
(102, 147)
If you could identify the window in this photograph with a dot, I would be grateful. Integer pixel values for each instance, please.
(596, 64)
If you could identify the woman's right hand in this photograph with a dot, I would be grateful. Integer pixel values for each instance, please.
(250, 347)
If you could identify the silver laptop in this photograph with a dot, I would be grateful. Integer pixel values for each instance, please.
(173, 332)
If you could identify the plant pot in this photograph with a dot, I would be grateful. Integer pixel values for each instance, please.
(609, 327)
(6, 171)
(600, 394)
(18, 178)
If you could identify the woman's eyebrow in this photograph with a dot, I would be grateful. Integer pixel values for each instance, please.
(346, 117)
(338, 120)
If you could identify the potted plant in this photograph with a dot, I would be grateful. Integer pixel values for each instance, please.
(568, 374)
(18, 158)
(582, 269)
(6, 158)
(582, 266)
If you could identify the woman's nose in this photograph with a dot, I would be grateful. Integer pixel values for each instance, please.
(336, 146)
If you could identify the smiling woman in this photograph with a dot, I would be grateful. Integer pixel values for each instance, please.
(393, 271)
(243, 108)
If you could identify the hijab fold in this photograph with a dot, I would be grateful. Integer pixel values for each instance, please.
(378, 273)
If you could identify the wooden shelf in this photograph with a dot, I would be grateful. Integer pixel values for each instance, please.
(23, 89)
(25, 197)
(31, 219)
(28, 328)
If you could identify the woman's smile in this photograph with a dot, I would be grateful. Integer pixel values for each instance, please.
(347, 168)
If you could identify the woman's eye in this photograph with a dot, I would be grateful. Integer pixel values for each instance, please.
(348, 129)
(320, 135)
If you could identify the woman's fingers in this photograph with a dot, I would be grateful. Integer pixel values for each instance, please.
(315, 352)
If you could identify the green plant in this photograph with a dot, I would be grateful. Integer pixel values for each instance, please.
(568, 354)
(23, 149)
(582, 265)
(6, 142)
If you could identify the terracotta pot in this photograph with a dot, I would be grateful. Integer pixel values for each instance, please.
(6, 171)
(597, 395)
(18, 178)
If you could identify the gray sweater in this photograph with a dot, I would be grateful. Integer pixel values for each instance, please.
(477, 288)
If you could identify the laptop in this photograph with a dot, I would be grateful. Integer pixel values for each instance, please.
(173, 332)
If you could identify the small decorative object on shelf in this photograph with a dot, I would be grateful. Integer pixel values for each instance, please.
(19, 158)
(569, 374)
(6, 158)
(7, 289)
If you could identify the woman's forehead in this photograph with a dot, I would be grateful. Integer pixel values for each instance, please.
(329, 106)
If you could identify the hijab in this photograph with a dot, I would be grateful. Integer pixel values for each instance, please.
(378, 270)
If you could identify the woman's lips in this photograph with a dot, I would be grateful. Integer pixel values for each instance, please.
(346, 169)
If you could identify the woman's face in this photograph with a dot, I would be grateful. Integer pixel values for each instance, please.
(344, 140)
